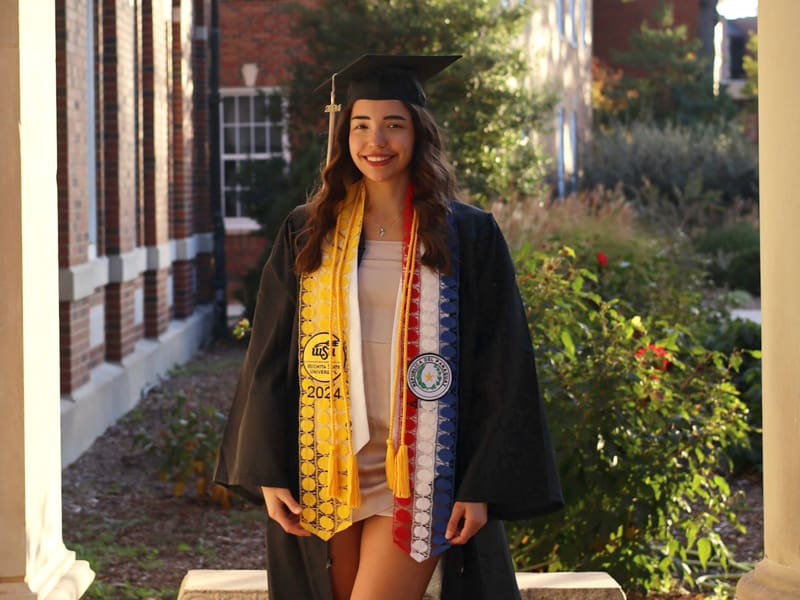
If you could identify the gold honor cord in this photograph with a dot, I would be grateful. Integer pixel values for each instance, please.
(397, 467)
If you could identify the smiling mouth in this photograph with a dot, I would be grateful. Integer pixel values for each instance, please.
(376, 160)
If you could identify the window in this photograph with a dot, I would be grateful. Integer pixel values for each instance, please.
(573, 30)
(91, 148)
(253, 128)
(573, 140)
(583, 34)
(738, 48)
(561, 154)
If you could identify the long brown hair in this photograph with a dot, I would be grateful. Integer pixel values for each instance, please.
(434, 188)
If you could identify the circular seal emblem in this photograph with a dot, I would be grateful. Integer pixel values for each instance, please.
(317, 353)
(429, 377)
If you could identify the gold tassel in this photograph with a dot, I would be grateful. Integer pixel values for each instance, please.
(402, 486)
(353, 485)
(333, 472)
(390, 458)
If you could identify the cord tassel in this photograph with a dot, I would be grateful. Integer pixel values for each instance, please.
(402, 485)
(333, 473)
(390, 458)
(353, 484)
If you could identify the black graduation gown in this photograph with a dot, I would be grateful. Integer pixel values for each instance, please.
(504, 456)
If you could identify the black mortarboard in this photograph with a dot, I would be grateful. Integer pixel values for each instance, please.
(383, 77)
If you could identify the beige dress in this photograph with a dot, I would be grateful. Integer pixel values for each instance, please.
(378, 282)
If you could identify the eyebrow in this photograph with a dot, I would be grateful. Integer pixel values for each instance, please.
(386, 118)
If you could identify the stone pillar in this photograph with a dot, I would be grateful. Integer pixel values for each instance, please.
(33, 560)
(777, 577)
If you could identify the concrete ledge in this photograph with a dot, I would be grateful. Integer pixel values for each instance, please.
(569, 586)
(252, 585)
(224, 585)
(127, 266)
(115, 388)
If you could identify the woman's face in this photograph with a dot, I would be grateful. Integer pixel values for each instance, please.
(381, 139)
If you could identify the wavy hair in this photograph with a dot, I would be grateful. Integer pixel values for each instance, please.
(434, 188)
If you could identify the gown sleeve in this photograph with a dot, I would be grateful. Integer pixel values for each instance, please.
(505, 456)
(259, 444)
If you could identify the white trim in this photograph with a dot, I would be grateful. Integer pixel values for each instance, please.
(185, 248)
(128, 266)
(240, 225)
(188, 248)
(159, 257)
(252, 91)
(80, 281)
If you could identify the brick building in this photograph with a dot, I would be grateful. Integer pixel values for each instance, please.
(615, 20)
(134, 212)
(256, 50)
(559, 45)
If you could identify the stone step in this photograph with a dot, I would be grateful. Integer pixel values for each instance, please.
(252, 585)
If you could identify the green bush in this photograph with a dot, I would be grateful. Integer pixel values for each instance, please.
(187, 448)
(641, 415)
(744, 336)
(653, 273)
(701, 171)
(734, 256)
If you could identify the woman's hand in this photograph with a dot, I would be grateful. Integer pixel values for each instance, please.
(465, 521)
(284, 510)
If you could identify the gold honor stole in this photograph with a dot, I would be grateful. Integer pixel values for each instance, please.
(420, 457)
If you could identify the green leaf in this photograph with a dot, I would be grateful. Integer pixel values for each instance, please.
(569, 345)
(704, 551)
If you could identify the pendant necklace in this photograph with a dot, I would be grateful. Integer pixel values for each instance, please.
(382, 229)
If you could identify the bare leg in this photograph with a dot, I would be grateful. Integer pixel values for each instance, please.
(384, 570)
(344, 552)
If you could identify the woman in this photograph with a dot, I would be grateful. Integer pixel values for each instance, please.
(388, 409)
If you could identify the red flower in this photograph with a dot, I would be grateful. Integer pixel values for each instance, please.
(657, 352)
(602, 260)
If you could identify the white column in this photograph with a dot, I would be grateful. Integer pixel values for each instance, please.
(33, 560)
(777, 577)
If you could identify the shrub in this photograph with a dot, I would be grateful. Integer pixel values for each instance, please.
(744, 336)
(734, 256)
(187, 448)
(709, 165)
(652, 273)
(641, 415)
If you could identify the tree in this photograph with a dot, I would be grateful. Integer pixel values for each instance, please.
(666, 77)
(750, 65)
(482, 102)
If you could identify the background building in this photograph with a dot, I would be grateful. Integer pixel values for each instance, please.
(135, 241)
(559, 43)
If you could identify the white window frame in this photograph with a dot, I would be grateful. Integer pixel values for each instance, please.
(573, 136)
(583, 23)
(244, 156)
(561, 167)
(91, 148)
(573, 34)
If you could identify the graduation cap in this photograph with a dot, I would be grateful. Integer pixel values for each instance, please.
(383, 77)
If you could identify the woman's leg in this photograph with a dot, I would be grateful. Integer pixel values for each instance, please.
(384, 570)
(344, 554)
